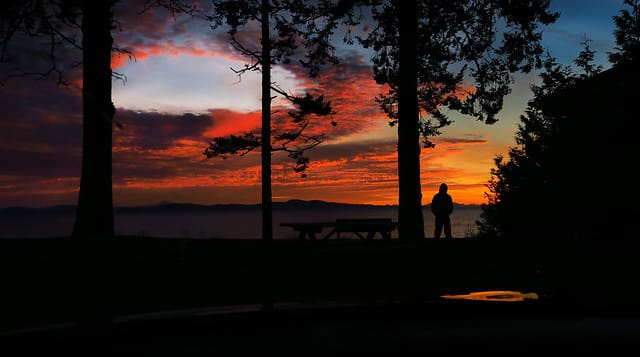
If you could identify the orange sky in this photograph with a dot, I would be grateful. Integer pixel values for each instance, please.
(179, 92)
(357, 163)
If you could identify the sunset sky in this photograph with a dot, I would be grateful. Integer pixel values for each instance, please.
(180, 92)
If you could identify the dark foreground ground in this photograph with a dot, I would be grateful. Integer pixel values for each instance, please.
(320, 298)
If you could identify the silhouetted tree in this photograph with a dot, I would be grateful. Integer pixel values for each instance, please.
(627, 34)
(584, 61)
(60, 24)
(530, 194)
(569, 174)
(285, 25)
(429, 52)
(94, 216)
(524, 190)
(95, 201)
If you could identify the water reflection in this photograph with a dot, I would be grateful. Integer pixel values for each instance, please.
(495, 295)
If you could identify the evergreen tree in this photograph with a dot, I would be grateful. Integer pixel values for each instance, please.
(522, 187)
(585, 59)
(284, 24)
(567, 143)
(529, 193)
(437, 54)
(627, 35)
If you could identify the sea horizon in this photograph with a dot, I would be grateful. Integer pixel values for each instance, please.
(160, 204)
(222, 221)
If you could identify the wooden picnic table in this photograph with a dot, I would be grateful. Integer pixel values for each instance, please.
(357, 226)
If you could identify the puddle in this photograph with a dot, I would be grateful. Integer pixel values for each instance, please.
(494, 295)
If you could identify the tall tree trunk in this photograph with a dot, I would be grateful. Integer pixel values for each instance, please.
(267, 207)
(94, 217)
(410, 220)
(93, 228)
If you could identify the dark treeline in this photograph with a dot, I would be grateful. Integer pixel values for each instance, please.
(572, 175)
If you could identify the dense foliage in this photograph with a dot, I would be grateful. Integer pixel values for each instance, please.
(525, 189)
(438, 55)
(569, 175)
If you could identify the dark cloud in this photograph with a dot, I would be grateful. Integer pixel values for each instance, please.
(42, 57)
(152, 130)
(141, 31)
(352, 150)
(42, 138)
(468, 139)
(359, 165)
(130, 166)
(41, 129)
(39, 164)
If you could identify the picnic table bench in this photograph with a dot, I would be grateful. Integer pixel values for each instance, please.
(357, 226)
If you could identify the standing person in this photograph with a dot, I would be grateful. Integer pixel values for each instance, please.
(442, 206)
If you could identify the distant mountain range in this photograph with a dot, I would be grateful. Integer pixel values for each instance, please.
(173, 206)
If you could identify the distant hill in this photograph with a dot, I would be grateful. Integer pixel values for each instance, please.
(325, 204)
(18, 210)
(190, 207)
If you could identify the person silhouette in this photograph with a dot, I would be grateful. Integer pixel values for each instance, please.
(441, 207)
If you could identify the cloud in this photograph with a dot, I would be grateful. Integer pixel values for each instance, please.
(25, 164)
(152, 130)
(41, 130)
(350, 88)
(158, 155)
(37, 191)
(158, 32)
(227, 122)
(468, 139)
(353, 151)
(179, 94)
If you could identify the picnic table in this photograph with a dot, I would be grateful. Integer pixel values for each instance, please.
(364, 228)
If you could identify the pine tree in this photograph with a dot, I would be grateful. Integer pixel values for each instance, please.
(283, 25)
(439, 54)
(627, 35)
(522, 187)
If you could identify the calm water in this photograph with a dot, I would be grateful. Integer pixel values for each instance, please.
(239, 223)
